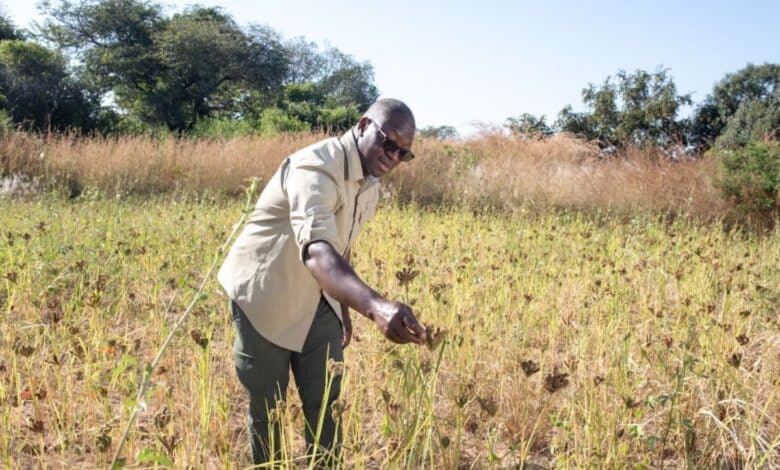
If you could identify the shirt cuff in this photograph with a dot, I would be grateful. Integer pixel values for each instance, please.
(309, 232)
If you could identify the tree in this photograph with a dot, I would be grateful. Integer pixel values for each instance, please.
(438, 132)
(579, 124)
(39, 92)
(755, 120)
(114, 39)
(173, 71)
(304, 106)
(306, 63)
(199, 67)
(638, 109)
(208, 62)
(8, 30)
(348, 81)
(528, 126)
(324, 91)
(341, 80)
(743, 106)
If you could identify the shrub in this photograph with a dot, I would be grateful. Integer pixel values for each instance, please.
(130, 125)
(275, 121)
(753, 120)
(225, 127)
(6, 125)
(751, 176)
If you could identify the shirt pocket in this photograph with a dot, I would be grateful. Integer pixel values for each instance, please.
(369, 208)
(366, 208)
(363, 210)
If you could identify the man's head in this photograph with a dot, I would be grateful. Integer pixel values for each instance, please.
(384, 136)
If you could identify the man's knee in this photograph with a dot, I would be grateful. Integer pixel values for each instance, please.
(262, 403)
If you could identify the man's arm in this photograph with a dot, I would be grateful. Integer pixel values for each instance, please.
(346, 318)
(335, 276)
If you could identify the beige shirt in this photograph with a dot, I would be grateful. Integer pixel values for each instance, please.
(318, 193)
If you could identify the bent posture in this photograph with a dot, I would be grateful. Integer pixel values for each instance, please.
(289, 277)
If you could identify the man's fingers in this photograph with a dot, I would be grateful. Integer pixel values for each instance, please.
(402, 332)
(347, 325)
(398, 332)
(411, 323)
(392, 335)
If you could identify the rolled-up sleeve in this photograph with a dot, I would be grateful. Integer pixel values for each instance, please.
(314, 198)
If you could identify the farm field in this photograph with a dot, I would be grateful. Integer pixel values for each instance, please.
(567, 340)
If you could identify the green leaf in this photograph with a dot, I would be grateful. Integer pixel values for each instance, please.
(129, 405)
(120, 463)
(687, 423)
(152, 455)
(125, 363)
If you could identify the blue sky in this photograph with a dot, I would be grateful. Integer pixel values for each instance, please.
(458, 62)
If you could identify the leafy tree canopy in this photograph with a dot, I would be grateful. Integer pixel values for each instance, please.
(39, 92)
(743, 106)
(199, 64)
(528, 126)
(439, 132)
(637, 108)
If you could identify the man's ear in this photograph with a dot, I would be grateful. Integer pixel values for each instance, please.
(362, 124)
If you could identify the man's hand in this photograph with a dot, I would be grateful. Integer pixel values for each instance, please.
(396, 321)
(337, 278)
(347, 323)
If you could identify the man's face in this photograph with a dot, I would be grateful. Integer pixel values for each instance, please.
(384, 144)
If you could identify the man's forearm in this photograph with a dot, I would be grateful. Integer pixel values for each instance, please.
(348, 257)
(337, 278)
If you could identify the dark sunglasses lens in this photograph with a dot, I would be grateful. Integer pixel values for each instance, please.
(390, 146)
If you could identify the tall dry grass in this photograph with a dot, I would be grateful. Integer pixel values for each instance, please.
(147, 165)
(492, 169)
(560, 172)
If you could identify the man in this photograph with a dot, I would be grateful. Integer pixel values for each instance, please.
(289, 277)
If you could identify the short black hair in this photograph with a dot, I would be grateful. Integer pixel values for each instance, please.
(384, 108)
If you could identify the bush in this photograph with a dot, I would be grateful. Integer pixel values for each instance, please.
(127, 124)
(6, 125)
(743, 106)
(438, 132)
(754, 120)
(751, 177)
(276, 121)
(225, 127)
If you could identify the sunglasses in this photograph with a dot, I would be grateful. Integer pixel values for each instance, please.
(390, 146)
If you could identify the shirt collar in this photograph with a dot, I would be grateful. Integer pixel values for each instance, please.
(353, 170)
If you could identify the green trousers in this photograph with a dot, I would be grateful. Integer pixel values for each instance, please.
(264, 369)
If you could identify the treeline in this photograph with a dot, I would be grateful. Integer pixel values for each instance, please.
(119, 67)
(643, 109)
(124, 66)
(738, 123)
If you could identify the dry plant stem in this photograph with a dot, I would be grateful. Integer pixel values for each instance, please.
(526, 446)
(251, 193)
(678, 386)
(774, 444)
(430, 388)
(329, 379)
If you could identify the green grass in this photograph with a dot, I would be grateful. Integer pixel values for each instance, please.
(656, 343)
